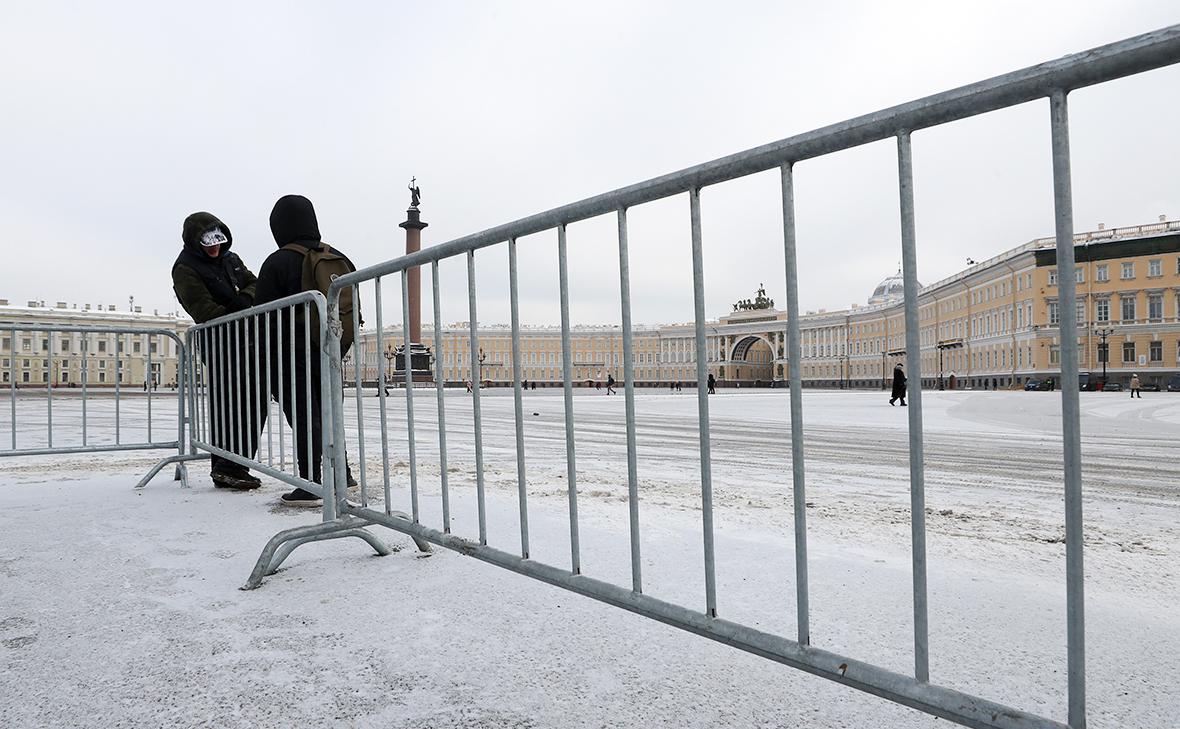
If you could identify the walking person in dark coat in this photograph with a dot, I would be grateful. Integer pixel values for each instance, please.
(712, 384)
(899, 385)
(610, 384)
(211, 281)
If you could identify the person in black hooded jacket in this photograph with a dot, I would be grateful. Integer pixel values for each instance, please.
(293, 220)
(211, 281)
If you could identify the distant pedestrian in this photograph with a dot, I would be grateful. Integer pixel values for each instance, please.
(468, 384)
(610, 384)
(526, 384)
(899, 385)
(1135, 385)
(534, 384)
(712, 384)
(672, 386)
(677, 385)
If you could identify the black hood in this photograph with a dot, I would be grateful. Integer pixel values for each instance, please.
(197, 225)
(293, 221)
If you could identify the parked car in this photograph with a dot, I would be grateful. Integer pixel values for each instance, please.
(1032, 385)
(1150, 387)
(1174, 384)
(1112, 387)
(1087, 382)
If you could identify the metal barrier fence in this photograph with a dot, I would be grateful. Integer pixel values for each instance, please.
(1052, 80)
(259, 400)
(94, 397)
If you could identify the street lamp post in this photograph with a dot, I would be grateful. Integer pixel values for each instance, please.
(481, 358)
(1103, 352)
(389, 355)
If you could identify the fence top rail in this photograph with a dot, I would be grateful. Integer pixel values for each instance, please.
(89, 329)
(314, 297)
(1098, 65)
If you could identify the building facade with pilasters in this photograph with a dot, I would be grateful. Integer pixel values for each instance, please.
(993, 325)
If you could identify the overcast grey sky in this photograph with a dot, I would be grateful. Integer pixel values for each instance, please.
(122, 118)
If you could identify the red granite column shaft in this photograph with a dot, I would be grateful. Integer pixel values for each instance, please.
(414, 226)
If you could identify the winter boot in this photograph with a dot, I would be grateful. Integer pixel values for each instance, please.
(299, 497)
(236, 478)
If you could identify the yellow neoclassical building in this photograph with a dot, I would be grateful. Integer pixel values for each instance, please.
(37, 359)
(992, 325)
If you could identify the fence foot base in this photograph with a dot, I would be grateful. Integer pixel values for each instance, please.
(181, 471)
(285, 542)
(422, 545)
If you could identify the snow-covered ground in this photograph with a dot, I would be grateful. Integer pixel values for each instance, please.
(120, 607)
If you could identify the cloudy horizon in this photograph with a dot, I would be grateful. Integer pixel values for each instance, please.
(130, 116)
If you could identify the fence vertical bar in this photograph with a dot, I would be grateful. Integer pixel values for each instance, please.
(235, 378)
(197, 382)
(567, 376)
(222, 404)
(85, 378)
(913, 347)
(294, 390)
(698, 292)
(360, 408)
(442, 411)
(794, 354)
(257, 395)
(150, 379)
(183, 391)
(247, 387)
(118, 381)
(333, 459)
(49, 388)
(381, 364)
(633, 474)
(408, 368)
(266, 358)
(518, 408)
(309, 426)
(477, 373)
(12, 390)
(1071, 429)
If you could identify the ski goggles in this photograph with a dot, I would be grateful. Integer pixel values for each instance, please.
(213, 237)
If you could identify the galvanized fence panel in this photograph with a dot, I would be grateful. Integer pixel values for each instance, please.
(1052, 81)
(72, 349)
(237, 406)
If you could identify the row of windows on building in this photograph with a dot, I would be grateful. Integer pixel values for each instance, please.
(64, 374)
(1128, 309)
(64, 346)
(1155, 269)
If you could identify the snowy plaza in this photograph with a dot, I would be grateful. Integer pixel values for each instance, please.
(121, 607)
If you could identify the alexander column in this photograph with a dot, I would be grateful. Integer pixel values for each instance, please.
(419, 354)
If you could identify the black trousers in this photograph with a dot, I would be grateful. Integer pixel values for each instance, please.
(235, 409)
(303, 413)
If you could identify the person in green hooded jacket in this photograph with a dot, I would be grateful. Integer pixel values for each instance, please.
(211, 281)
